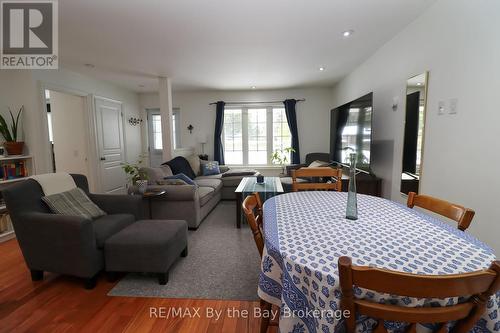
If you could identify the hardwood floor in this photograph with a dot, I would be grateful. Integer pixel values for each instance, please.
(61, 304)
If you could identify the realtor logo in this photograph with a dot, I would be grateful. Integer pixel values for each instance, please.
(29, 35)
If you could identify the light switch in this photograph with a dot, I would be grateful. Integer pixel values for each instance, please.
(453, 106)
(441, 108)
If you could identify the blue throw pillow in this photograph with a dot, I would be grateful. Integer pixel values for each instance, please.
(210, 168)
(183, 177)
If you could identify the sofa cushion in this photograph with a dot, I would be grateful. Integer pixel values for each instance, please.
(216, 184)
(239, 172)
(209, 168)
(107, 226)
(219, 176)
(181, 165)
(205, 193)
(73, 203)
(183, 177)
(194, 162)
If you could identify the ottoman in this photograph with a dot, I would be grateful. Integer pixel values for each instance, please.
(147, 246)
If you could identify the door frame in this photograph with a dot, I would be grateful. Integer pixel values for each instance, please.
(89, 116)
(96, 140)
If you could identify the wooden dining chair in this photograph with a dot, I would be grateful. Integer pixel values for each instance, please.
(478, 285)
(334, 184)
(463, 216)
(252, 208)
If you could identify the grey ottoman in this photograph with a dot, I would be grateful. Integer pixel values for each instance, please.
(148, 246)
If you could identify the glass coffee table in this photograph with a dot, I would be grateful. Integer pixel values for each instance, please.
(248, 185)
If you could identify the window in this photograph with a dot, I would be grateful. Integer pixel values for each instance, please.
(155, 130)
(251, 134)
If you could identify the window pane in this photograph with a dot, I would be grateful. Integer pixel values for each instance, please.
(257, 136)
(281, 133)
(156, 127)
(233, 144)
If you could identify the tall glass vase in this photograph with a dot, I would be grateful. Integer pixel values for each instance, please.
(352, 200)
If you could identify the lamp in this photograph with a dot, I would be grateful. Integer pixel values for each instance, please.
(203, 140)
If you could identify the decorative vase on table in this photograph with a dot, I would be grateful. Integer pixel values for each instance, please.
(142, 186)
(352, 199)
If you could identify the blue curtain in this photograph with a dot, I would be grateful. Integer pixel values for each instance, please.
(219, 125)
(291, 118)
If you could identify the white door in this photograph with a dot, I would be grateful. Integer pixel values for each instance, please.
(111, 148)
(69, 136)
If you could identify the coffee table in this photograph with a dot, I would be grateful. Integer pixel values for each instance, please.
(248, 185)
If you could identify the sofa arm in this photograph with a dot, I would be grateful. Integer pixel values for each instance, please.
(58, 243)
(119, 204)
(223, 168)
(177, 192)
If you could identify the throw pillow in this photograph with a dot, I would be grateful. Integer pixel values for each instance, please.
(73, 203)
(171, 182)
(183, 177)
(318, 164)
(210, 168)
(194, 162)
(181, 165)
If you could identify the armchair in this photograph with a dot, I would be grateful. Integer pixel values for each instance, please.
(66, 244)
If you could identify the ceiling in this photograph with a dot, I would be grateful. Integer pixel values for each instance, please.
(226, 44)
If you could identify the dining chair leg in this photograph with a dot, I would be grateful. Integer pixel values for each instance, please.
(265, 319)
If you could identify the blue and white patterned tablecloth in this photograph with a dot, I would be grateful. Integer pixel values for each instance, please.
(306, 233)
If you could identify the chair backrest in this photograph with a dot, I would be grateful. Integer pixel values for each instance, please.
(252, 207)
(311, 157)
(478, 285)
(315, 174)
(463, 216)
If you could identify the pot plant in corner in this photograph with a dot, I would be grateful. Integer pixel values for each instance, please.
(136, 176)
(280, 156)
(11, 145)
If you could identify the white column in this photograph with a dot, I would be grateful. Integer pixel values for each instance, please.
(165, 93)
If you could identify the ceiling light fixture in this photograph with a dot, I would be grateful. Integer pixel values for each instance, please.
(322, 69)
(254, 87)
(419, 83)
(347, 33)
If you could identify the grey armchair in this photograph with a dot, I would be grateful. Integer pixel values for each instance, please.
(66, 244)
(311, 157)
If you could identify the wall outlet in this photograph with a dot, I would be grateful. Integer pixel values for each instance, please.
(441, 108)
(453, 106)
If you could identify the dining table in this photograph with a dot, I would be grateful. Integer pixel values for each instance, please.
(306, 233)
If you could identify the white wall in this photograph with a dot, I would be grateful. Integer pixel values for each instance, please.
(22, 87)
(313, 115)
(457, 41)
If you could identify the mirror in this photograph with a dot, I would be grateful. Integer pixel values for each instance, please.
(416, 98)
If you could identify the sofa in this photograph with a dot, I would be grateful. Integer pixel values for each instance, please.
(66, 244)
(192, 203)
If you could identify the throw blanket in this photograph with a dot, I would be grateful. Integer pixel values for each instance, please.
(54, 183)
(180, 165)
(239, 172)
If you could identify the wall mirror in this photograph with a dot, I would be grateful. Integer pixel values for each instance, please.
(413, 144)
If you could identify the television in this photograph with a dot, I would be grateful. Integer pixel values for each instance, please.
(351, 131)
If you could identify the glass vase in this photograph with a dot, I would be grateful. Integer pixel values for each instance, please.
(352, 200)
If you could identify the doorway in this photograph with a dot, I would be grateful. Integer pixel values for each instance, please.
(68, 140)
(155, 146)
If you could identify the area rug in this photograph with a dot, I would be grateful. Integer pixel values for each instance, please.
(223, 263)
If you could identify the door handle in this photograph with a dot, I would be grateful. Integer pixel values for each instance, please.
(103, 158)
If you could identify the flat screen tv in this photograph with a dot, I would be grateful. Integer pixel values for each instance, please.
(351, 131)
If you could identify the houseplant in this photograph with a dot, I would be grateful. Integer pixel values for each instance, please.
(136, 175)
(280, 156)
(11, 144)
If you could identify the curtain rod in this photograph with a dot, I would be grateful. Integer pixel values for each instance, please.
(229, 103)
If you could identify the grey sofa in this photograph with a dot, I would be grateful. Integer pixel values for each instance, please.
(66, 244)
(192, 203)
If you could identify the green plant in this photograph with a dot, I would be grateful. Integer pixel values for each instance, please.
(280, 156)
(135, 172)
(10, 134)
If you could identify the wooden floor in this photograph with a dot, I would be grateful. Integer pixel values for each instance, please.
(61, 304)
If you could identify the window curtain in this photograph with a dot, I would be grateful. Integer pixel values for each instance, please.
(219, 125)
(291, 118)
(342, 116)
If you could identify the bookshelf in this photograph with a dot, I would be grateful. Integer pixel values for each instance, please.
(12, 169)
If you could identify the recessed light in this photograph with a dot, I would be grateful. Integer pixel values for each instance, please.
(347, 33)
(254, 87)
(141, 86)
(419, 83)
(89, 65)
(322, 69)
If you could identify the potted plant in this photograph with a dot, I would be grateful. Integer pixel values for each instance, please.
(11, 144)
(280, 156)
(136, 176)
